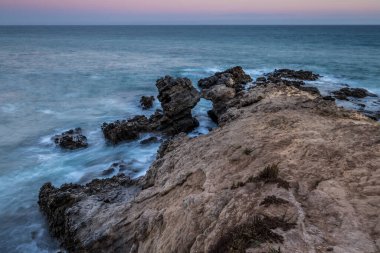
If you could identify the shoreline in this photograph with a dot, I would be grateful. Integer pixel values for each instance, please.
(191, 173)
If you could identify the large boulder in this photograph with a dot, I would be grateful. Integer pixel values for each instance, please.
(72, 139)
(177, 95)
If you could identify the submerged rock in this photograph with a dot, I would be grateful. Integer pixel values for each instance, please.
(286, 174)
(146, 102)
(177, 96)
(71, 139)
(346, 92)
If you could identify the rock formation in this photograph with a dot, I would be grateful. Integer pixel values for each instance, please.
(346, 92)
(287, 172)
(147, 102)
(222, 88)
(177, 97)
(71, 139)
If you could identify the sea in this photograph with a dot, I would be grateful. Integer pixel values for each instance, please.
(54, 78)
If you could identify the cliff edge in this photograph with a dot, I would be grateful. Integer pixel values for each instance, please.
(286, 171)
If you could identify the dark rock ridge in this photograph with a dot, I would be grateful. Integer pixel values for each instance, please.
(71, 139)
(226, 93)
(294, 74)
(146, 102)
(57, 203)
(177, 97)
(346, 92)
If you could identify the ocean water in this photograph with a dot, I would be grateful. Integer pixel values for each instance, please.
(53, 78)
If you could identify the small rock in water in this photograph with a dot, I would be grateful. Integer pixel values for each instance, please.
(146, 102)
(72, 139)
(149, 140)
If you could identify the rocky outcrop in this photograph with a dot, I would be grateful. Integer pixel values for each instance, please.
(222, 88)
(293, 74)
(233, 78)
(345, 93)
(146, 102)
(177, 97)
(291, 172)
(128, 129)
(72, 139)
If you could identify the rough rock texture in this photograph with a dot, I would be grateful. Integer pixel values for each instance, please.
(346, 92)
(146, 102)
(72, 139)
(234, 78)
(222, 88)
(127, 129)
(177, 97)
(220, 192)
(294, 74)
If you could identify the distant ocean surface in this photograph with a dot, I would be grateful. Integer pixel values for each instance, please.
(53, 78)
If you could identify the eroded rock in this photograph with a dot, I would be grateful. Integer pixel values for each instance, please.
(286, 174)
(177, 97)
(72, 139)
(234, 78)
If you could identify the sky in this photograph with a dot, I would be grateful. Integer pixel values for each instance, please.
(188, 12)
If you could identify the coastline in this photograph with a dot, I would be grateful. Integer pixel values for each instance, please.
(202, 190)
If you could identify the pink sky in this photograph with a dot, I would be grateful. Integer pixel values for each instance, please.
(352, 11)
(200, 6)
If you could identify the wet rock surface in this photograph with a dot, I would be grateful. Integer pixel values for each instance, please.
(71, 139)
(222, 88)
(146, 102)
(346, 92)
(291, 171)
(177, 97)
(294, 74)
(234, 78)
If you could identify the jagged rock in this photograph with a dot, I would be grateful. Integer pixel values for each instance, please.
(146, 102)
(346, 92)
(72, 139)
(127, 129)
(234, 78)
(208, 194)
(177, 97)
(222, 88)
(294, 74)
